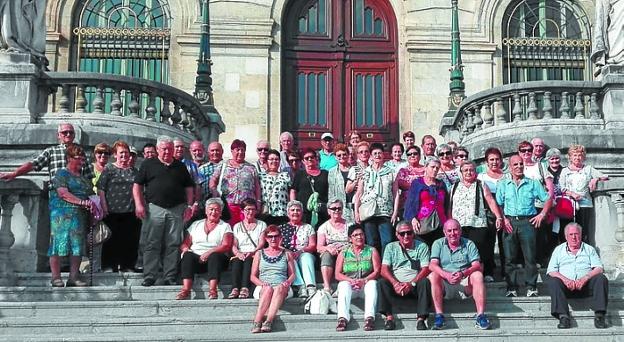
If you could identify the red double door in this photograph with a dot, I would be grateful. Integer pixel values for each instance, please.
(340, 70)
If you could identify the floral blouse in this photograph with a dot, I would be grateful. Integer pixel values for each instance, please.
(237, 183)
(275, 190)
(404, 178)
(578, 181)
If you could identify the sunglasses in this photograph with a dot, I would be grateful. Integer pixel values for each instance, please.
(413, 154)
(262, 149)
(335, 208)
(446, 153)
(293, 160)
(103, 153)
(309, 158)
(67, 133)
(341, 155)
(528, 150)
(271, 237)
(357, 235)
(463, 156)
(406, 233)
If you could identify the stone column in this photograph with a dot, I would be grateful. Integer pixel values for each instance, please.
(617, 198)
(7, 203)
(22, 96)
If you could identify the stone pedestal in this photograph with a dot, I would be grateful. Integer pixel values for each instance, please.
(612, 78)
(22, 96)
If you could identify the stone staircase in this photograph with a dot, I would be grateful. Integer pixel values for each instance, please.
(118, 308)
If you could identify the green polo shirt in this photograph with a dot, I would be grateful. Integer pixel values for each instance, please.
(399, 262)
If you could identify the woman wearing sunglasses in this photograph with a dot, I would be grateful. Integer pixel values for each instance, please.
(332, 238)
(272, 272)
(338, 177)
(448, 173)
(404, 178)
(357, 268)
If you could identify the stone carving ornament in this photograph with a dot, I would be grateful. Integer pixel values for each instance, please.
(22, 27)
(608, 41)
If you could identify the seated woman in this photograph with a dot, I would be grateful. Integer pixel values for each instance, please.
(273, 272)
(332, 238)
(300, 238)
(247, 241)
(204, 249)
(357, 269)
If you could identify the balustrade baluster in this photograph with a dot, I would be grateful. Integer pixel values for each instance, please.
(98, 102)
(81, 101)
(64, 100)
(7, 239)
(578, 106)
(501, 112)
(470, 125)
(532, 108)
(547, 108)
(175, 116)
(565, 107)
(116, 103)
(184, 118)
(165, 112)
(478, 122)
(486, 114)
(150, 111)
(134, 104)
(594, 110)
(516, 111)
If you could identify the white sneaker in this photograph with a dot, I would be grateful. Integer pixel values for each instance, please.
(532, 292)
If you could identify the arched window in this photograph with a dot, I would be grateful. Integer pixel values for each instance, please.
(545, 40)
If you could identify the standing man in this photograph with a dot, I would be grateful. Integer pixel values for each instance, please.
(167, 203)
(539, 149)
(404, 271)
(287, 143)
(149, 151)
(456, 270)
(196, 149)
(262, 148)
(517, 196)
(215, 156)
(53, 157)
(328, 159)
(575, 270)
(428, 146)
(178, 149)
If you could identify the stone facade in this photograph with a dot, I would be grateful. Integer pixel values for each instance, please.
(246, 51)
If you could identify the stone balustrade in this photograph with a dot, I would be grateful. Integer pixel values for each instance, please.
(524, 104)
(118, 98)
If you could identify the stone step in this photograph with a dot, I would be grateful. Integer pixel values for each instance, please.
(225, 326)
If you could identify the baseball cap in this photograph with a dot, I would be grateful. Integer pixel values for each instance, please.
(327, 135)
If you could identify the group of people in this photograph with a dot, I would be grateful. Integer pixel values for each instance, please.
(423, 223)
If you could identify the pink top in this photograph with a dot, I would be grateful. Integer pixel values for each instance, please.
(428, 203)
(405, 177)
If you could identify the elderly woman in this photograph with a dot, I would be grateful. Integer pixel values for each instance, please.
(460, 155)
(310, 187)
(332, 238)
(204, 249)
(248, 239)
(448, 173)
(101, 153)
(275, 187)
(293, 158)
(374, 200)
(355, 174)
(405, 176)
(337, 178)
(397, 162)
(468, 206)
(578, 180)
(354, 138)
(272, 272)
(357, 268)
(494, 173)
(427, 199)
(115, 191)
(70, 216)
(236, 179)
(300, 238)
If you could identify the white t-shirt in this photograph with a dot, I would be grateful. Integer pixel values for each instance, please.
(245, 245)
(202, 242)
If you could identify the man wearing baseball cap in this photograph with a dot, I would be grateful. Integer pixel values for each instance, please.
(328, 159)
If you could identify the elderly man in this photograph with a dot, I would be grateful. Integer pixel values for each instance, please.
(328, 159)
(178, 149)
(262, 148)
(167, 202)
(404, 271)
(456, 270)
(539, 149)
(215, 156)
(53, 157)
(287, 143)
(517, 196)
(428, 146)
(575, 270)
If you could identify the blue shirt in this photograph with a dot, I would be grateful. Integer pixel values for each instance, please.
(519, 200)
(457, 260)
(328, 160)
(574, 266)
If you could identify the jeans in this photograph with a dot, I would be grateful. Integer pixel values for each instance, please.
(523, 237)
(379, 232)
(241, 270)
(346, 292)
(304, 270)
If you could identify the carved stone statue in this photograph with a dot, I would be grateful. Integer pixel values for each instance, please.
(608, 41)
(22, 27)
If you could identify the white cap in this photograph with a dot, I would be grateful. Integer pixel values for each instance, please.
(327, 136)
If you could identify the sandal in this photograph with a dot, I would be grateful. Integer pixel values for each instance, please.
(342, 324)
(233, 294)
(57, 282)
(369, 324)
(257, 327)
(183, 294)
(266, 326)
(212, 294)
(244, 293)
